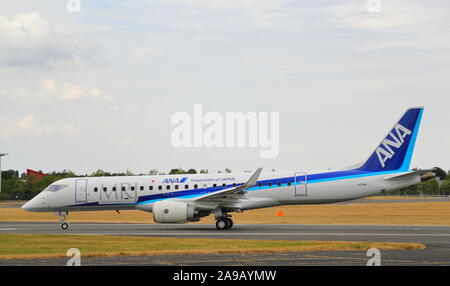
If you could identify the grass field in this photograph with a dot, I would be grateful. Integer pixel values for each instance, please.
(403, 197)
(39, 245)
(405, 213)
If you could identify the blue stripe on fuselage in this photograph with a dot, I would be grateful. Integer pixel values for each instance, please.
(310, 179)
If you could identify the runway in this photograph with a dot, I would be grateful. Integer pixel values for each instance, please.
(436, 238)
(423, 234)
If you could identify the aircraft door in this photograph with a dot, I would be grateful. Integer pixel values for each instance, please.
(81, 190)
(301, 184)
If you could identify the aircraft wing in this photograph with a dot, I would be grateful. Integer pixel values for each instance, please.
(240, 189)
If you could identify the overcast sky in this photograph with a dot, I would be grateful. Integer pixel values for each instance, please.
(97, 89)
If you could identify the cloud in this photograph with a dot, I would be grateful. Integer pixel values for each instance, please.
(27, 125)
(394, 14)
(399, 24)
(30, 126)
(220, 15)
(51, 90)
(70, 129)
(125, 141)
(141, 53)
(223, 4)
(24, 28)
(27, 39)
(328, 58)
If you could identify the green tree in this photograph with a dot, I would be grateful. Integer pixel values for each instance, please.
(99, 173)
(178, 171)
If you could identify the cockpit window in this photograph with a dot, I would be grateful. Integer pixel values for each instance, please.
(55, 188)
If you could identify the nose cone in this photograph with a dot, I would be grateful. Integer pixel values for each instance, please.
(31, 205)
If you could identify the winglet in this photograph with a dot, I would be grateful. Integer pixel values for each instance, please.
(253, 179)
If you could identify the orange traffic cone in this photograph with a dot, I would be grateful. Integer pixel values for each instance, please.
(280, 213)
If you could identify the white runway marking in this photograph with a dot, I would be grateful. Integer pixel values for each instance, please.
(7, 229)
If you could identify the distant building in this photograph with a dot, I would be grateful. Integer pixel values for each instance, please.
(36, 175)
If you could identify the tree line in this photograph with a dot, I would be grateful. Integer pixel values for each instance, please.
(22, 187)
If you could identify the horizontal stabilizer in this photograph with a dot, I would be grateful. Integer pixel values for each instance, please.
(424, 175)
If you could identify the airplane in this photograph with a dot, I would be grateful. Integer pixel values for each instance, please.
(190, 197)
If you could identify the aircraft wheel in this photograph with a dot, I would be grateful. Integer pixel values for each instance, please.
(230, 223)
(222, 223)
(64, 226)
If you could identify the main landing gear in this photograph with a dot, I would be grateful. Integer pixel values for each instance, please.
(62, 219)
(223, 223)
(223, 220)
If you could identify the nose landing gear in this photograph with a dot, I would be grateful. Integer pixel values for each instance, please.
(62, 219)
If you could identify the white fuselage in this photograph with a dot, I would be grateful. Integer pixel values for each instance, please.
(272, 188)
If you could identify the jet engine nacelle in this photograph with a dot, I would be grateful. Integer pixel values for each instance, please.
(173, 212)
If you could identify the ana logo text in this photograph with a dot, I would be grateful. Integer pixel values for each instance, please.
(174, 180)
(387, 153)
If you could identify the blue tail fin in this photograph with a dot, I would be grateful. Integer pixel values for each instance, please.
(395, 151)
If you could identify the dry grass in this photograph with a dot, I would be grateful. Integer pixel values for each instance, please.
(40, 245)
(414, 213)
(400, 198)
(5, 203)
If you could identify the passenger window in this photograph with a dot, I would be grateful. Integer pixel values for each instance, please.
(288, 183)
(168, 187)
(186, 187)
(270, 184)
(176, 187)
(224, 185)
(105, 189)
(234, 184)
(160, 187)
(151, 188)
(215, 186)
(259, 184)
(195, 187)
(114, 189)
(279, 184)
(95, 189)
(142, 188)
(132, 188)
(123, 189)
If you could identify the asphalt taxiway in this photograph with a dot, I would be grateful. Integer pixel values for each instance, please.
(436, 239)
